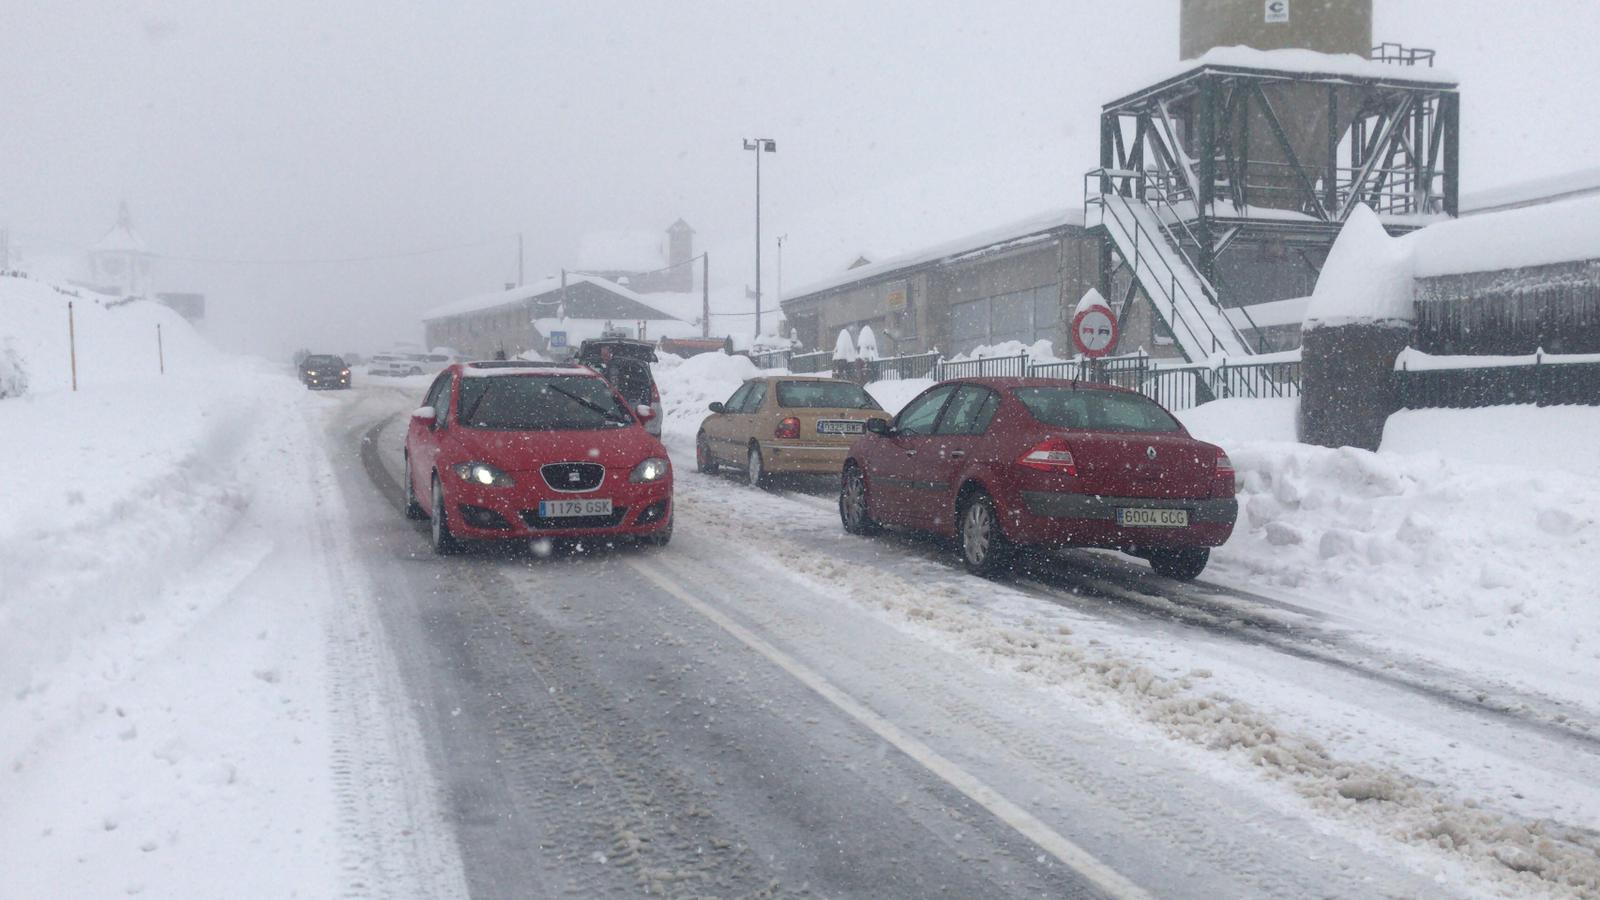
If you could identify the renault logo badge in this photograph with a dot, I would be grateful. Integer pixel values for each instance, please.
(1150, 452)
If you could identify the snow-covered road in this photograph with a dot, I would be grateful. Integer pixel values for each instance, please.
(1188, 739)
(255, 678)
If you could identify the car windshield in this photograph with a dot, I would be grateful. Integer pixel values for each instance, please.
(313, 361)
(1095, 410)
(824, 395)
(540, 403)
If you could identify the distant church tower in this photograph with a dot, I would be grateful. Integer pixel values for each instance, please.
(119, 262)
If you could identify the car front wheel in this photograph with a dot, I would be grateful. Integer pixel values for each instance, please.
(853, 510)
(984, 549)
(703, 460)
(1182, 563)
(444, 543)
(414, 509)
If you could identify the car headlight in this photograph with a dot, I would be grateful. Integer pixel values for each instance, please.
(652, 469)
(483, 473)
(344, 371)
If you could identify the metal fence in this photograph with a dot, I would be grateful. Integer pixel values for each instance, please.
(1539, 383)
(1175, 387)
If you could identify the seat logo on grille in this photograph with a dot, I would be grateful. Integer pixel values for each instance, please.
(574, 476)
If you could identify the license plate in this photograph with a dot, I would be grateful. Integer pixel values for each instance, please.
(840, 426)
(1153, 518)
(559, 509)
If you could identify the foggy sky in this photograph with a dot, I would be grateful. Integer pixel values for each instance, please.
(310, 130)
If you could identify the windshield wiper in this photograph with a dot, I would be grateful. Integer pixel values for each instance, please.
(467, 416)
(609, 415)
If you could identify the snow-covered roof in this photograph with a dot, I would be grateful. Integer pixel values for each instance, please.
(1550, 188)
(622, 251)
(545, 286)
(1267, 315)
(1563, 231)
(121, 238)
(1366, 278)
(991, 239)
(1301, 62)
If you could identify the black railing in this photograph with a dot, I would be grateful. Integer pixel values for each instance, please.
(985, 367)
(1539, 383)
(811, 363)
(1391, 52)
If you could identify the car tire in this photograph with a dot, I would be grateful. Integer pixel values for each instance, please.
(983, 545)
(413, 510)
(414, 371)
(660, 537)
(755, 467)
(1182, 563)
(703, 460)
(854, 511)
(444, 543)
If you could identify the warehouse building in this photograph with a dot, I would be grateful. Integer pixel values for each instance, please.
(550, 318)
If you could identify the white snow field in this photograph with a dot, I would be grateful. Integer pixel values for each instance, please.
(191, 699)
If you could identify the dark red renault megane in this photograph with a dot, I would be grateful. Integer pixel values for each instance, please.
(1001, 463)
(509, 449)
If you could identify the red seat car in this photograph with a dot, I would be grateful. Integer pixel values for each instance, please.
(511, 449)
(1002, 463)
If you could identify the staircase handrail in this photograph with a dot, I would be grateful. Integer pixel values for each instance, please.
(1099, 199)
(1207, 285)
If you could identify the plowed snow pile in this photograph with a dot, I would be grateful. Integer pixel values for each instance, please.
(1444, 537)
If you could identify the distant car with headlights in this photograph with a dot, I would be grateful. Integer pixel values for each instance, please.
(510, 449)
(1004, 463)
(784, 425)
(401, 363)
(324, 371)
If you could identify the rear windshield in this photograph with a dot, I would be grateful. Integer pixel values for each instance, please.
(1095, 410)
(540, 403)
(324, 361)
(824, 395)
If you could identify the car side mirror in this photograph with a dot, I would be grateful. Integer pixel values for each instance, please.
(645, 411)
(424, 415)
(880, 427)
(718, 408)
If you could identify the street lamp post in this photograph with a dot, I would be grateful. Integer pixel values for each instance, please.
(760, 146)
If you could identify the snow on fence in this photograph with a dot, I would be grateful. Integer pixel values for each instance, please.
(1467, 382)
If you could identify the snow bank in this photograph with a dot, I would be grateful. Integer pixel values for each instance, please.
(1564, 231)
(1485, 546)
(1367, 278)
(689, 386)
(892, 395)
(1559, 438)
(1042, 351)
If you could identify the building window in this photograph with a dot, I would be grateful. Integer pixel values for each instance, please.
(1029, 315)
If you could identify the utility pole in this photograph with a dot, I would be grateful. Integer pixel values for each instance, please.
(781, 239)
(760, 146)
(519, 259)
(705, 294)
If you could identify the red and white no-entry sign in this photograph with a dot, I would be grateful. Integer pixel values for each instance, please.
(1094, 331)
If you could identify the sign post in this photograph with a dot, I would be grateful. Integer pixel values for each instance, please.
(72, 344)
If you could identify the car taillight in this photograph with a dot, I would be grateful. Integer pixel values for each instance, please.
(788, 429)
(655, 395)
(1225, 483)
(1053, 454)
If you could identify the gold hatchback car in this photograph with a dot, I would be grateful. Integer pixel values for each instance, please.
(784, 424)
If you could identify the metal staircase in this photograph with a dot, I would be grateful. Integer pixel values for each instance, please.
(1182, 298)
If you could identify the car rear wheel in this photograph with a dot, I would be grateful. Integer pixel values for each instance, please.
(853, 510)
(444, 543)
(1182, 563)
(414, 509)
(703, 460)
(755, 470)
(414, 371)
(984, 549)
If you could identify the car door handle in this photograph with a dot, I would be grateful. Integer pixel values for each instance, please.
(911, 453)
(957, 454)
